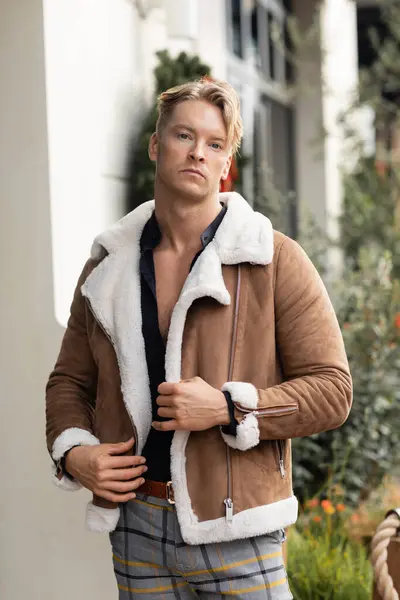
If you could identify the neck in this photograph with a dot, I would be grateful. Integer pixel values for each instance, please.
(181, 221)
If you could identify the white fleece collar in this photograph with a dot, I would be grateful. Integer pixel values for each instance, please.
(243, 236)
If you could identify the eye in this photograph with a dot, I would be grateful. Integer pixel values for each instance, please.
(216, 146)
(183, 136)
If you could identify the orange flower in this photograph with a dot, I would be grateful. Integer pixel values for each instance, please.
(346, 325)
(340, 507)
(328, 507)
(397, 321)
(355, 518)
(317, 519)
(313, 503)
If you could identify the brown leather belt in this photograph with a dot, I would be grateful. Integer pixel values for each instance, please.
(157, 489)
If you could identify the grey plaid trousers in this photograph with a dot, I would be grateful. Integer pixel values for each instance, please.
(151, 560)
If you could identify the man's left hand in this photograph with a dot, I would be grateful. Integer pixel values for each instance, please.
(190, 405)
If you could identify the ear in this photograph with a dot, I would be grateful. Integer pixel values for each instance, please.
(227, 167)
(153, 147)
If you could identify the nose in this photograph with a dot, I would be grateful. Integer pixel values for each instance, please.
(196, 153)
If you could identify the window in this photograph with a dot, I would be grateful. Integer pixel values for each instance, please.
(236, 27)
(274, 164)
(256, 54)
(259, 35)
(276, 49)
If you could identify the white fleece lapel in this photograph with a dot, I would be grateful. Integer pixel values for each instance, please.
(114, 295)
(205, 279)
(244, 235)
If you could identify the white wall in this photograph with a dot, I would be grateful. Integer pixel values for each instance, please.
(94, 95)
(45, 552)
(212, 44)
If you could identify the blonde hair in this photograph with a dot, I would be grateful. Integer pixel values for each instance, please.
(218, 93)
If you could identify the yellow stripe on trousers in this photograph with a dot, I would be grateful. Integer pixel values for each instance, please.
(165, 588)
(255, 589)
(204, 571)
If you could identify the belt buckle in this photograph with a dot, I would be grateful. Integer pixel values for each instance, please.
(170, 493)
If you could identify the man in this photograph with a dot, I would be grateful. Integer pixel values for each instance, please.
(200, 341)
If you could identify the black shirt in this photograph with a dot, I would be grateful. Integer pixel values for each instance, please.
(158, 446)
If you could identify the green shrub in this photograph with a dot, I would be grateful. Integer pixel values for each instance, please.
(318, 571)
(358, 454)
(323, 562)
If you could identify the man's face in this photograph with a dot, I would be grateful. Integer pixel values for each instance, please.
(192, 154)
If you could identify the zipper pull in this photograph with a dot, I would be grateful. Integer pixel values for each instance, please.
(255, 413)
(228, 509)
(282, 469)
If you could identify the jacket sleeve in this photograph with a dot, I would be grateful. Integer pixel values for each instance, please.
(71, 390)
(316, 394)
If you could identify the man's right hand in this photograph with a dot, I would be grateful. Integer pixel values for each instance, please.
(102, 470)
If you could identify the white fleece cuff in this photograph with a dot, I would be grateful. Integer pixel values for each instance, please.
(65, 483)
(101, 520)
(68, 439)
(244, 394)
(247, 432)
(71, 437)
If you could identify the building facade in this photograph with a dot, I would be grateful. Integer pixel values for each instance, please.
(76, 79)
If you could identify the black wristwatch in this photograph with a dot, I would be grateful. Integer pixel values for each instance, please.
(60, 463)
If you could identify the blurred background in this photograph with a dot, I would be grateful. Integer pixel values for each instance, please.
(319, 84)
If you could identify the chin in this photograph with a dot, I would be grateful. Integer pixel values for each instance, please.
(194, 195)
(192, 191)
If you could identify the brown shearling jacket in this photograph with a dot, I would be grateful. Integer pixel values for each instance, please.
(275, 346)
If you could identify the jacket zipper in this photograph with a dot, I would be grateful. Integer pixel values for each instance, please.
(108, 336)
(280, 446)
(228, 500)
(273, 410)
(277, 410)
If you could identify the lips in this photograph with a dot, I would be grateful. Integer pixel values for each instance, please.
(194, 171)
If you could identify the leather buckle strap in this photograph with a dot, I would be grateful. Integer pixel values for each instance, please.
(170, 493)
(158, 489)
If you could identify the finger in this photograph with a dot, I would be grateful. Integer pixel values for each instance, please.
(171, 425)
(166, 388)
(123, 487)
(121, 447)
(165, 400)
(123, 474)
(123, 462)
(168, 413)
(116, 498)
